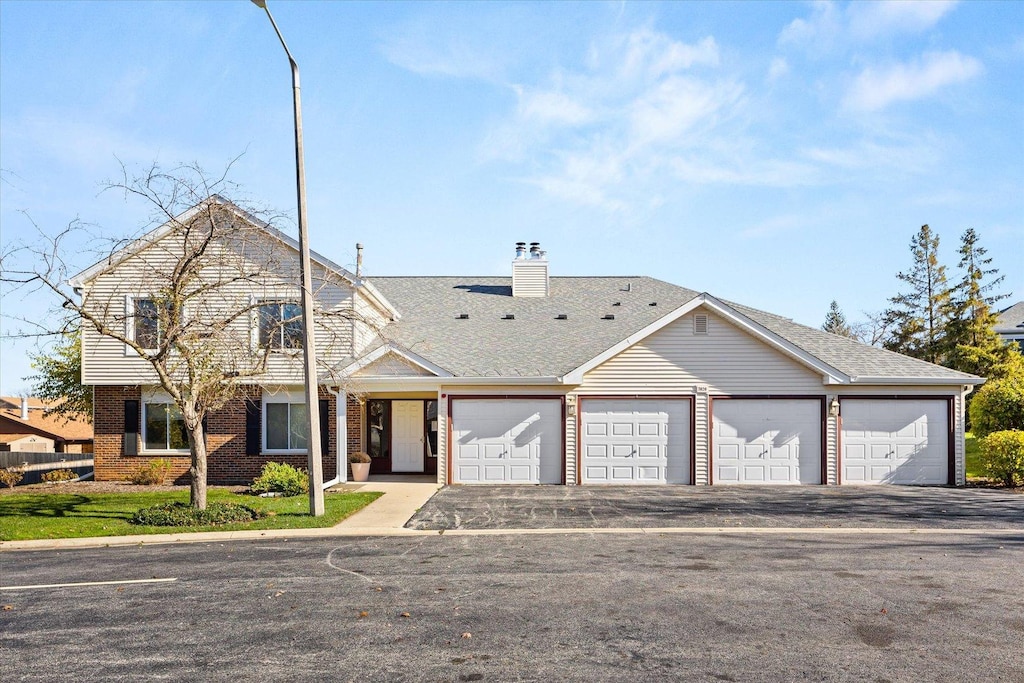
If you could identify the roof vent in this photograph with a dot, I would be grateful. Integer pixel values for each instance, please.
(653, 303)
(617, 303)
(508, 316)
(608, 316)
(520, 250)
(561, 316)
(462, 316)
(700, 324)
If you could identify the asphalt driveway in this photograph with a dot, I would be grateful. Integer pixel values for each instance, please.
(602, 507)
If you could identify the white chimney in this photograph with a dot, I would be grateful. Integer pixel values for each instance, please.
(24, 408)
(530, 275)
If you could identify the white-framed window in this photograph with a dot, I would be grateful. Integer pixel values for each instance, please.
(279, 325)
(163, 428)
(285, 422)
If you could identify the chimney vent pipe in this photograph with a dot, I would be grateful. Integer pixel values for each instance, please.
(24, 408)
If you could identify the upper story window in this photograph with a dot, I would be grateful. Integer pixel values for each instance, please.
(280, 326)
(149, 325)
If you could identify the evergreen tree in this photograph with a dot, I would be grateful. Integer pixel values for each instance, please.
(835, 321)
(972, 344)
(917, 318)
(59, 382)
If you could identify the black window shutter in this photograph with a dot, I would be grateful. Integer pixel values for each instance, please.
(252, 428)
(325, 426)
(131, 427)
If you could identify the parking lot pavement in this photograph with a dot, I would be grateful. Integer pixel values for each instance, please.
(601, 507)
(551, 607)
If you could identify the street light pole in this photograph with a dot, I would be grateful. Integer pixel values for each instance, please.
(316, 474)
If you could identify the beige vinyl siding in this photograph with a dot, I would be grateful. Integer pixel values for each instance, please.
(571, 473)
(366, 324)
(726, 360)
(392, 366)
(701, 438)
(831, 473)
(107, 361)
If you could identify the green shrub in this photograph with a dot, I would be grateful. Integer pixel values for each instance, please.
(153, 473)
(183, 514)
(57, 476)
(998, 406)
(1002, 456)
(10, 476)
(280, 477)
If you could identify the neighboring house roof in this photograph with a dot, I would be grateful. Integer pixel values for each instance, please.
(535, 343)
(1011, 320)
(12, 427)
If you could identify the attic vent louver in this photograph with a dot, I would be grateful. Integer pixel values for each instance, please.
(508, 316)
(561, 316)
(608, 316)
(462, 316)
(700, 324)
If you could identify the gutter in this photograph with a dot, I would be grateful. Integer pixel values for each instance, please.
(969, 379)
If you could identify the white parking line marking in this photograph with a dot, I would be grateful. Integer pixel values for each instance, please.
(83, 583)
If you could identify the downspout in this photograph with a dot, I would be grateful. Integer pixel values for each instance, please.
(341, 454)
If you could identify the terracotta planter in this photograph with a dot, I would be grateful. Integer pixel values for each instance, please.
(360, 471)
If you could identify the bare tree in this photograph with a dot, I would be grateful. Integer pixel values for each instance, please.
(204, 302)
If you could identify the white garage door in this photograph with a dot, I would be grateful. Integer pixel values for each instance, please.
(895, 442)
(635, 441)
(507, 441)
(766, 441)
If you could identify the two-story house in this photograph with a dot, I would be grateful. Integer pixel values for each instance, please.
(529, 378)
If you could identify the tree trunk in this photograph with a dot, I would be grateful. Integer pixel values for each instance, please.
(197, 446)
(197, 472)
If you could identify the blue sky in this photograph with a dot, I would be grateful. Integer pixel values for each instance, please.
(776, 154)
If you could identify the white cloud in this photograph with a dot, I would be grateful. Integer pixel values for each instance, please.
(454, 58)
(664, 114)
(829, 28)
(868, 20)
(552, 107)
(875, 89)
(777, 69)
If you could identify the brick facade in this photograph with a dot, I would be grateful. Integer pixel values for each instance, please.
(227, 462)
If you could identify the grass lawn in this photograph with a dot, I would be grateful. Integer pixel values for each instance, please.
(29, 516)
(973, 459)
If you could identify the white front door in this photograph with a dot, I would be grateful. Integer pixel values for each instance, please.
(507, 441)
(895, 442)
(407, 436)
(766, 441)
(635, 441)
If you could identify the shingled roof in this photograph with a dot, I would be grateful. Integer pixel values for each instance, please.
(474, 327)
(1011, 320)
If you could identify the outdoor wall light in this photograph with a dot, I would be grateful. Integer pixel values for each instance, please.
(833, 407)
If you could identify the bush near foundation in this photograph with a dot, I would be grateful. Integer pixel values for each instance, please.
(57, 476)
(1002, 456)
(280, 477)
(10, 476)
(153, 473)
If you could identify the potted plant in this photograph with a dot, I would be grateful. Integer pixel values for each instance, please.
(360, 463)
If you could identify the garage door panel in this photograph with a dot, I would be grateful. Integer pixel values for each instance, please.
(635, 440)
(507, 441)
(887, 441)
(775, 441)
